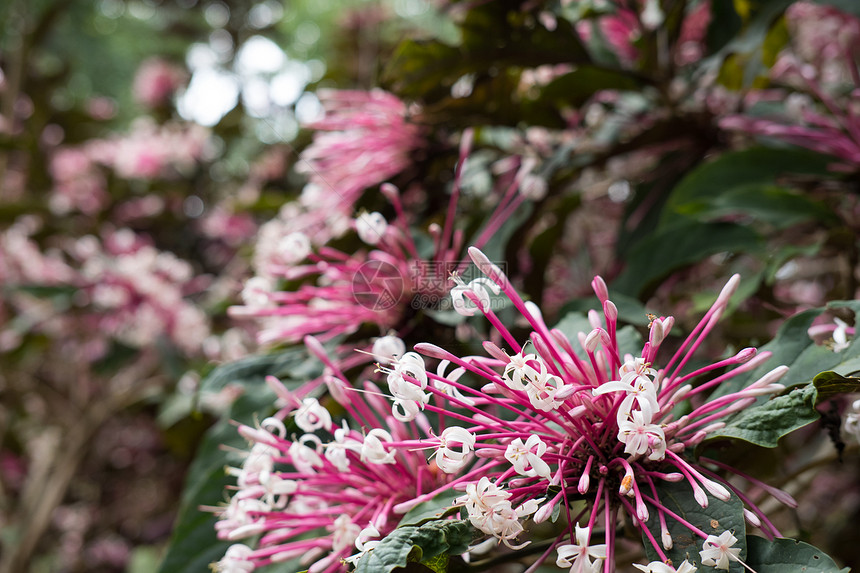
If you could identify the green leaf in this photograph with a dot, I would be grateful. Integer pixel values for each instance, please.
(734, 175)
(830, 384)
(718, 517)
(437, 508)
(576, 87)
(292, 362)
(793, 347)
(788, 556)
(776, 206)
(724, 25)
(684, 243)
(766, 423)
(417, 543)
(194, 545)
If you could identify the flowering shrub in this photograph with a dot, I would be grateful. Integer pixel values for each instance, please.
(458, 286)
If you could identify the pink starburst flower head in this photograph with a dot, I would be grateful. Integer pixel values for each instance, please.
(326, 497)
(364, 139)
(593, 420)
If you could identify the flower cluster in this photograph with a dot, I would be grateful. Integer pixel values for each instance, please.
(337, 292)
(364, 139)
(343, 487)
(555, 423)
(540, 428)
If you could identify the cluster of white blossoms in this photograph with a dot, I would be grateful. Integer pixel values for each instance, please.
(636, 429)
(491, 511)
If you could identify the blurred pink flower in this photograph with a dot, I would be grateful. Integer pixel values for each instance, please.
(364, 139)
(78, 183)
(156, 81)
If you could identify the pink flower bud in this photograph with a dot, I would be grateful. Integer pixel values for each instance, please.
(599, 287)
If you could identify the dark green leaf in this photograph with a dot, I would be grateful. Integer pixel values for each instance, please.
(292, 363)
(766, 423)
(576, 87)
(417, 543)
(724, 25)
(671, 248)
(734, 174)
(788, 556)
(436, 508)
(831, 384)
(777, 206)
(718, 517)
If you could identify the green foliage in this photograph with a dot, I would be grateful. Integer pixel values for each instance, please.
(437, 508)
(417, 543)
(793, 347)
(744, 182)
(766, 423)
(684, 243)
(788, 556)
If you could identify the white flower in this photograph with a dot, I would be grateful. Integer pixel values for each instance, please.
(237, 559)
(478, 287)
(452, 460)
(372, 449)
(335, 452)
(540, 386)
(257, 466)
(518, 370)
(294, 248)
(851, 425)
(490, 510)
(387, 348)
(581, 553)
(718, 551)
(660, 567)
(312, 416)
(542, 390)
(364, 542)
(527, 457)
(635, 382)
(652, 16)
(304, 458)
(409, 395)
(840, 335)
(453, 376)
(344, 533)
(410, 364)
(371, 227)
(638, 435)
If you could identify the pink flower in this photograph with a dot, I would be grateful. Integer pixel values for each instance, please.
(156, 81)
(343, 489)
(605, 418)
(364, 139)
